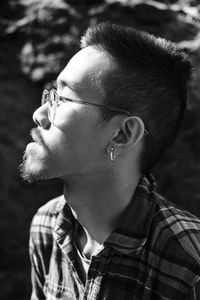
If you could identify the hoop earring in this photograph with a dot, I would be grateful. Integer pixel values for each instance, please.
(112, 154)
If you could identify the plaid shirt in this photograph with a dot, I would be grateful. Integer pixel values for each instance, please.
(153, 254)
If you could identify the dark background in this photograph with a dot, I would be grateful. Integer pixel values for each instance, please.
(37, 38)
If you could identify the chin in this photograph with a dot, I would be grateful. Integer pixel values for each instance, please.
(31, 174)
(33, 169)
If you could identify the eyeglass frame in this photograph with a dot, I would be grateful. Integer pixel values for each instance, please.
(45, 100)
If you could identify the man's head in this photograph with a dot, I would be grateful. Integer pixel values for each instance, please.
(121, 68)
(72, 142)
(150, 81)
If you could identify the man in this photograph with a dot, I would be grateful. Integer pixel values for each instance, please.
(117, 106)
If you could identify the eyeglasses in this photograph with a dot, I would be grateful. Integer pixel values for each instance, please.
(51, 97)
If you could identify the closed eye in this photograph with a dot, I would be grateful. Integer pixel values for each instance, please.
(65, 99)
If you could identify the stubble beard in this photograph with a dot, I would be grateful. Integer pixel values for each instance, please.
(26, 173)
(26, 168)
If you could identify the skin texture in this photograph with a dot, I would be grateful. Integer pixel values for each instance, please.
(76, 148)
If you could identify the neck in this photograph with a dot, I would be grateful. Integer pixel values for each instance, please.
(98, 202)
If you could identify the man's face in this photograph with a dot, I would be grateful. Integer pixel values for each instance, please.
(76, 142)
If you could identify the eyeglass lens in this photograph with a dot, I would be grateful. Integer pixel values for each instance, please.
(50, 98)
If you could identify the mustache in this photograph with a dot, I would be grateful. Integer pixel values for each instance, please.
(36, 136)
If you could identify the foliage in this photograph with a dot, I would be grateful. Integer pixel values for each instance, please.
(37, 39)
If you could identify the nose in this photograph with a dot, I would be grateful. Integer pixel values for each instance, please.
(40, 117)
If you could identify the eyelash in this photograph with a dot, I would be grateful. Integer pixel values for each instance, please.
(54, 84)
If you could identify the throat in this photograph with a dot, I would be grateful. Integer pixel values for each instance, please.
(98, 206)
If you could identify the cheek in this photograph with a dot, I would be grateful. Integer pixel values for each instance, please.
(75, 126)
(60, 132)
(68, 153)
(75, 139)
(66, 142)
(56, 141)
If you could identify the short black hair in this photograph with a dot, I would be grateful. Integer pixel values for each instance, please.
(150, 82)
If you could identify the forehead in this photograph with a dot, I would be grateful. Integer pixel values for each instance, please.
(85, 71)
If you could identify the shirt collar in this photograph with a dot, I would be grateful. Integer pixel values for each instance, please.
(130, 236)
(63, 231)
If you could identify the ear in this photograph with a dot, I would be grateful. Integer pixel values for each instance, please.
(129, 133)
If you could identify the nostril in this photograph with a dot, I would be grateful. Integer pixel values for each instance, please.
(44, 123)
(40, 117)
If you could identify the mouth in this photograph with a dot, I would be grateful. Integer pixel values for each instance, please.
(36, 136)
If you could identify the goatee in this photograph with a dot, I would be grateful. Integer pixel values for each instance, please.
(25, 172)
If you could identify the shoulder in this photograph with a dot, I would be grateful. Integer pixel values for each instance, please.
(45, 218)
(52, 207)
(176, 234)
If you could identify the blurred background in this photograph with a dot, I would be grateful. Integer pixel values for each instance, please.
(37, 38)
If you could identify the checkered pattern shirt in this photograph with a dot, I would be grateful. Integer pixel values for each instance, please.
(153, 254)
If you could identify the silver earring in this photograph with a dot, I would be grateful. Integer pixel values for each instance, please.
(112, 154)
